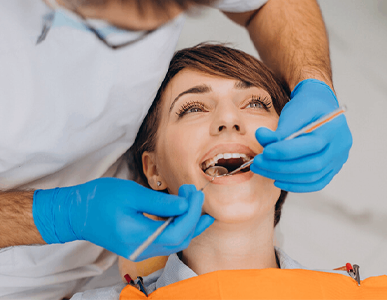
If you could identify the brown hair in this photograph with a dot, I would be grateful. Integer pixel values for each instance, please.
(212, 59)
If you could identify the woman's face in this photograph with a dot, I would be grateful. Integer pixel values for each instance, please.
(207, 120)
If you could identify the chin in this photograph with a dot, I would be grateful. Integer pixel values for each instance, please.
(233, 211)
(235, 204)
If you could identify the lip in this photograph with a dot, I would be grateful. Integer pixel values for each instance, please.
(228, 148)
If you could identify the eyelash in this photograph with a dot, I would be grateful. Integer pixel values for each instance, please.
(186, 107)
(265, 102)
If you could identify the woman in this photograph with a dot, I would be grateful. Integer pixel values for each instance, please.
(206, 112)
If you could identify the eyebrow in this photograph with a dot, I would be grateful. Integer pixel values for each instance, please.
(199, 89)
(242, 85)
(202, 89)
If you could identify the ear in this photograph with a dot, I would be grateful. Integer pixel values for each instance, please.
(149, 167)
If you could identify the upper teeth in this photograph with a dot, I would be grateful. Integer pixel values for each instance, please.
(213, 161)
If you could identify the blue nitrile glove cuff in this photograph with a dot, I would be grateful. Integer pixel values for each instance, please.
(318, 87)
(52, 219)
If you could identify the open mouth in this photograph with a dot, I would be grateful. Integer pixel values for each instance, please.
(230, 161)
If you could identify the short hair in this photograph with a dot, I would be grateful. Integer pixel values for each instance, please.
(212, 59)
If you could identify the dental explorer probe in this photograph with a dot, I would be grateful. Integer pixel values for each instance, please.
(218, 171)
(214, 172)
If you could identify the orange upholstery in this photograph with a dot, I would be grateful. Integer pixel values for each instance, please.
(267, 284)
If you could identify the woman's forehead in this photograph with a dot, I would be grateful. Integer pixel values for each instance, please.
(190, 78)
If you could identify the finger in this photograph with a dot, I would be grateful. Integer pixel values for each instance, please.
(186, 189)
(298, 113)
(295, 148)
(327, 131)
(306, 187)
(130, 234)
(183, 245)
(168, 249)
(293, 118)
(159, 247)
(307, 164)
(205, 221)
(158, 203)
(305, 144)
(184, 225)
(265, 136)
(142, 225)
(301, 178)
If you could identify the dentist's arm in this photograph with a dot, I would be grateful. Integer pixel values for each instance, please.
(107, 212)
(17, 225)
(291, 39)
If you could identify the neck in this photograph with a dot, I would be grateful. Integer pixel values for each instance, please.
(226, 246)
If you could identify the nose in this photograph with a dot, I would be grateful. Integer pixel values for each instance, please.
(227, 119)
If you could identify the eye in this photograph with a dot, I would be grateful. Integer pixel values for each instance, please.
(257, 102)
(253, 104)
(194, 109)
(191, 107)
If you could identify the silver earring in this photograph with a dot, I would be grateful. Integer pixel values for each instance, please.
(158, 183)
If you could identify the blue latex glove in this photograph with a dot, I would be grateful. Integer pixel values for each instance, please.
(108, 213)
(306, 163)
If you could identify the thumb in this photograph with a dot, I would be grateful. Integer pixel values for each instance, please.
(205, 221)
(266, 136)
(186, 190)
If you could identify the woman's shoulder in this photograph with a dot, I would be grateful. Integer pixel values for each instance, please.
(106, 293)
(150, 281)
(286, 262)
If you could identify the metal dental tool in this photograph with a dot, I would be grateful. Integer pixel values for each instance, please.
(215, 171)
(218, 171)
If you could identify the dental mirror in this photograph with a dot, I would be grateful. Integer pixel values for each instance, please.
(216, 171)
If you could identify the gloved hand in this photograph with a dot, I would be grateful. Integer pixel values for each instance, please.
(308, 162)
(108, 213)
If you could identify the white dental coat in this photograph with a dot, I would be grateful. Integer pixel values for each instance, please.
(69, 108)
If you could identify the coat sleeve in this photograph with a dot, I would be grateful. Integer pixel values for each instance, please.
(238, 6)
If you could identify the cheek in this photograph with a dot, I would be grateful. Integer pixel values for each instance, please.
(168, 162)
(253, 123)
(176, 156)
(270, 122)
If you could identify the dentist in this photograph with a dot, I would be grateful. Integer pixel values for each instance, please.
(76, 79)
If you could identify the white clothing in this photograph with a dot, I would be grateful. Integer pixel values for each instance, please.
(175, 270)
(69, 108)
